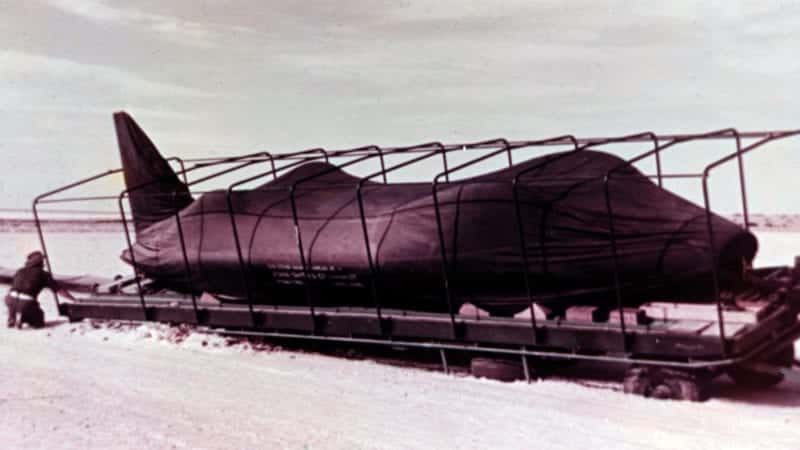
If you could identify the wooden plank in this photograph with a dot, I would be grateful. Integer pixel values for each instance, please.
(632, 316)
(752, 306)
(731, 329)
(470, 310)
(780, 319)
(668, 311)
(208, 299)
(686, 326)
(582, 314)
(541, 313)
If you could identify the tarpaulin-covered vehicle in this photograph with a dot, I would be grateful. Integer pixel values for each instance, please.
(560, 200)
(575, 254)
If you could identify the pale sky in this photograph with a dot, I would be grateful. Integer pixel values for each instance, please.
(223, 77)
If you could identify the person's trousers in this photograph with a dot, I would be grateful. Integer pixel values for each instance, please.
(12, 305)
(28, 311)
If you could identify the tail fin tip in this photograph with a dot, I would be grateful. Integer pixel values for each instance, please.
(154, 190)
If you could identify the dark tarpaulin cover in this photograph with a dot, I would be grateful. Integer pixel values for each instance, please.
(155, 190)
(660, 237)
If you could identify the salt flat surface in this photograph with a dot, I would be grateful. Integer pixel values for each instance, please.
(777, 248)
(99, 386)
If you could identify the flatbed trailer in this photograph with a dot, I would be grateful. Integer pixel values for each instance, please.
(690, 346)
(672, 355)
(693, 339)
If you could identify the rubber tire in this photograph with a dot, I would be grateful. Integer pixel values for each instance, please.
(753, 379)
(687, 389)
(663, 383)
(497, 369)
(637, 381)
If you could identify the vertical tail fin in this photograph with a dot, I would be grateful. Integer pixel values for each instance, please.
(155, 192)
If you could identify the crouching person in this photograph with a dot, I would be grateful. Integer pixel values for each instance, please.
(21, 300)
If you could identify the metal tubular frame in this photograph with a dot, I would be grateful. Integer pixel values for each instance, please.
(181, 237)
(503, 145)
(298, 233)
(440, 231)
(742, 183)
(543, 224)
(614, 255)
(738, 155)
(183, 172)
(390, 150)
(657, 150)
(525, 352)
(360, 198)
(79, 199)
(180, 163)
(250, 162)
(234, 228)
(658, 162)
(40, 198)
(375, 149)
(383, 163)
(179, 226)
(296, 219)
(132, 255)
(186, 264)
(520, 226)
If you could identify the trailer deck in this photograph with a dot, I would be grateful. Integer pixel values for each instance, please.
(680, 341)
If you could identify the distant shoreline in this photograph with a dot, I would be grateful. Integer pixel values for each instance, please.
(769, 222)
(59, 225)
(758, 222)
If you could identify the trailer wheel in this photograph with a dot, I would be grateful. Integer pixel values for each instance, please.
(637, 381)
(694, 389)
(497, 369)
(663, 383)
(755, 375)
